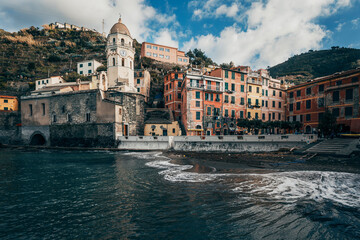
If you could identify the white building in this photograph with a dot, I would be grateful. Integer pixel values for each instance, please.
(48, 81)
(87, 67)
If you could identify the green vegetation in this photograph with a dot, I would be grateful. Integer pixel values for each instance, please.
(328, 125)
(198, 58)
(315, 64)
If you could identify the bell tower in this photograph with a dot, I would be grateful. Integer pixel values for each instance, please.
(120, 58)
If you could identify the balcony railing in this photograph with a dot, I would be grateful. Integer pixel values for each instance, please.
(254, 81)
(206, 87)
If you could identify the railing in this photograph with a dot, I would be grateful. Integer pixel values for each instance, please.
(205, 87)
(254, 82)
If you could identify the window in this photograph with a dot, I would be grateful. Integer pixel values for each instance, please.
(81, 65)
(232, 99)
(6, 108)
(273, 116)
(155, 47)
(298, 93)
(138, 90)
(262, 92)
(349, 94)
(279, 116)
(180, 59)
(291, 95)
(348, 111)
(335, 96)
(39, 81)
(170, 86)
(87, 117)
(167, 87)
(173, 130)
(81, 72)
(242, 101)
(338, 83)
(138, 81)
(273, 104)
(232, 113)
(242, 88)
(89, 71)
(263, 116)
(179, 106)
(54, 118)
(6, 101)
(148, 46)
(179, 84)
(43, 108)
(298, 105)
(250, 88)
(262, 103)
(197, 103)
(148, 54)
(321, 102)
(257, 102)
(161, 49)
(241, 114)
(320, 116)
(206, 96)
(69, 117)
(280, 94)
(217, 124)
(197, 95)
(185, 60)
(122, 42)
(274, 93)
(226, 86)
(249, 101)
(232, 75)
(208, 111)
(226, 112)
(169, 95)
(113, 61)
(266, 92)
(167, 98)
(269, 116)
(30, 110)
(226, 74)
(266, 103)
(249, 115)
(291, 107)
(279, 104)
(321, 88)
(161, 56)
(197, 115)
(257, 90)
(308, 91)
(154, 54)
(167, 57)
(242, 77)
(226, 99)
(355, 79)
(256, 115)
(89, 64)
(308, 117)
(167, 50)
(232, 87)
(179, 95)
(211, 97)
(308, 104)
(336, 112)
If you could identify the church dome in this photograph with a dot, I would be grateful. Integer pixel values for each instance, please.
(119, 27)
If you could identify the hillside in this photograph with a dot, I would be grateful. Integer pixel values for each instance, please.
(32, 54)
(314, 64)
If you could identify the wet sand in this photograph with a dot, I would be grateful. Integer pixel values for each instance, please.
(263, 162)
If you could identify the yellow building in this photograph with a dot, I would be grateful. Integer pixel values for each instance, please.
(254, 88)
(160, 122)
(9, 103)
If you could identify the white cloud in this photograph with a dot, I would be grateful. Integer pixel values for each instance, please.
(276, 29)
(339, 26)
(212, 8)
(138, 16)
(166, 37)
(355, 22)
(230, 11)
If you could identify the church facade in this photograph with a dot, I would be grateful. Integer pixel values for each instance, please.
(94, 117)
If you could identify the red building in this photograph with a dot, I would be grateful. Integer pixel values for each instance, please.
(338, 93)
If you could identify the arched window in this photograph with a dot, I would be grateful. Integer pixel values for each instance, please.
(122, 42)
(123, 62)
(113, 61)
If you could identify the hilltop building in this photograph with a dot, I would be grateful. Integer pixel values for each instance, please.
(88, 67)
(163, 53)
(48, 81)
(92, 113)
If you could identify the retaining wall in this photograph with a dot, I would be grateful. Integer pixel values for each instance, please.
(258, 143)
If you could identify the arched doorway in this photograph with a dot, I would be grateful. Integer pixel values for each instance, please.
(38, 140)
(308, 129)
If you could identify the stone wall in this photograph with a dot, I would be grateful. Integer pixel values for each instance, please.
(9, 127)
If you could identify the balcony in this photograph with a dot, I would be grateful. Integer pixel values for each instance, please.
(251, 81)
(207, 88)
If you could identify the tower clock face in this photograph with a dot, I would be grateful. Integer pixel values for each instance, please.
(123, 53)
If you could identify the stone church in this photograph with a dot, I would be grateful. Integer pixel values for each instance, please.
(94, 117)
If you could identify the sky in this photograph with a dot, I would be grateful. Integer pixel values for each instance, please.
(257, 33)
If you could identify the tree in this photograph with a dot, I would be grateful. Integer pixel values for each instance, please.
(327, 124)
(101, 68)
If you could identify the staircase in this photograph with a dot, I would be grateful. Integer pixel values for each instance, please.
(336, 146)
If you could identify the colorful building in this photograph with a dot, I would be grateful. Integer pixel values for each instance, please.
(160, 122)
(142, 81)
(172, 92)
(8, 103)
(339, 93)
(163, 53)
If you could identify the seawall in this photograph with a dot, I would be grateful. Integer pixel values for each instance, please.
(229, 144)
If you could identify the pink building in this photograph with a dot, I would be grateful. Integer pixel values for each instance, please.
(163, 53)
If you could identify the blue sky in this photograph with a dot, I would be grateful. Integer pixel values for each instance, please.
(256, 33)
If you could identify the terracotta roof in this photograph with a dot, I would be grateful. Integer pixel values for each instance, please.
(119, 27)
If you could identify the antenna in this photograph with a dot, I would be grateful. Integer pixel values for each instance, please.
(103, 24)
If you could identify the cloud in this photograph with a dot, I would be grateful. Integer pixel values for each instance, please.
(138, 16)
(212, 8)
(167, 38)
(355, 22)
(339, 26)
(275, 30)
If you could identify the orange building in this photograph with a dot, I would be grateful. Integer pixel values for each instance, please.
(338, 93)
(163, 53)
(9, 103)
(172, 92)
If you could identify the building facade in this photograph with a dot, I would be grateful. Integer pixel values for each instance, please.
(88, 67)
(142, 81)
(48, 81)
(172, 92)
(160, 122)
(163, 53)
(9, 103)
(338, 93)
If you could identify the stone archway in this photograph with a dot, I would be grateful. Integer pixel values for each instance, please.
(37, 139)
